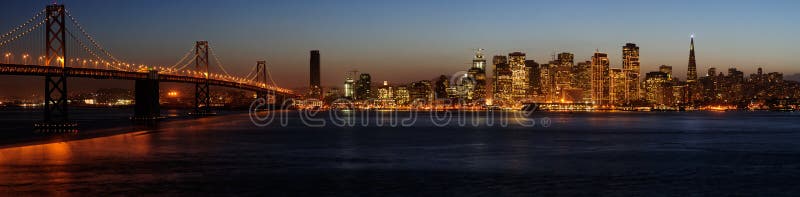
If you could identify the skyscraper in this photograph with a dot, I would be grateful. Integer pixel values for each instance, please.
(364, 87)
(315, 87)
(600, 79)
(440, 88)
(501, 79)
(630, 67)
(693, 90)
(534, 84)
(583, 79)
(519, 75)
(691, 76)
(562, 76)
(350, 85)
(478, 74)
(617, 87)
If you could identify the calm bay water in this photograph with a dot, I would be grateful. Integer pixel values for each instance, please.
(619, 153)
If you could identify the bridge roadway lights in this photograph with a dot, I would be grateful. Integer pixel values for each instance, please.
(147, 105)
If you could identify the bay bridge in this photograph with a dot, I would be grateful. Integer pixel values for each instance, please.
(66, 50)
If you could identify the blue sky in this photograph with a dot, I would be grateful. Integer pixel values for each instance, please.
(402, 41)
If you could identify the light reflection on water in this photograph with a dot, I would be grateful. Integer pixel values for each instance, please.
(579, 149)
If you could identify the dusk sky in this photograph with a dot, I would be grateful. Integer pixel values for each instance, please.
(402, 41)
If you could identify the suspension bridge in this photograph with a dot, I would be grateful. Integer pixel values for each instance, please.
(67, 50)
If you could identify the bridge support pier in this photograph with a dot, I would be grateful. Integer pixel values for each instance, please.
(56, 117)
(147, 105)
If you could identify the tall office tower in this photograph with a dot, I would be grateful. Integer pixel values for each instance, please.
(547, 81)
(666, 69)
(691, 76)
(440, 87)
(519, 75)
(600, 79)
(350, 85)
(617, 88)
(583, 80)
(364, 87)
(562, 73)
(692, 88)
(478, 74)
(315, 87)
(534, 84)
(630, 66)
(501, 79)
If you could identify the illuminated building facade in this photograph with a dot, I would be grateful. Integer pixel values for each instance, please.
(617, 88)
(420, 91)
(478, 75)
(600, 79)
(502, 80)
(657, 88)
(582, 80)
(534, 76)
(385, 91)
(401, 95)
(631, 68)
(350, 85)
(519, 76)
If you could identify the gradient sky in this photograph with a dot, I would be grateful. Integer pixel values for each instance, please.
(402, 41)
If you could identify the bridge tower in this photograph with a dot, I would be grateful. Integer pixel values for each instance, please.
(56, 116)
(261, 78)
(202, 95)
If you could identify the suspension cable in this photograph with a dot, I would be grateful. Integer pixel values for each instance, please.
(219, 63)
(88, 50)
(26, 23)
(270, 76)
(22, 34)
(182, 59)
(89, 37)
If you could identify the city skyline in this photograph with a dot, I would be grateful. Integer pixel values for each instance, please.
(391, 42)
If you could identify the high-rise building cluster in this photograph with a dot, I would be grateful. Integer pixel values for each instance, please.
(563, 84)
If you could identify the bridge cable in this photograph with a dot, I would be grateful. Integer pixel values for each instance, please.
(219, 63)
(88, 50)
(182, 59)
(89, 37)
(22, 34)
(28, 22)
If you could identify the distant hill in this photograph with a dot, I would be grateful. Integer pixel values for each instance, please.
(794, 77)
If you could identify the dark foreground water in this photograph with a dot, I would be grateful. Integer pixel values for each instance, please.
(617, 154)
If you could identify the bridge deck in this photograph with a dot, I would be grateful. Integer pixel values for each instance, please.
(94, 73)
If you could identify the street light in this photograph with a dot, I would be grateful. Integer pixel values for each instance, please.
(25, 59)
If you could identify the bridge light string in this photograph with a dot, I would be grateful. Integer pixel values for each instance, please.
(216, 58)
(88, 36)
(12, 39)
(88, 50)
(26, 23)
(183, 58)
